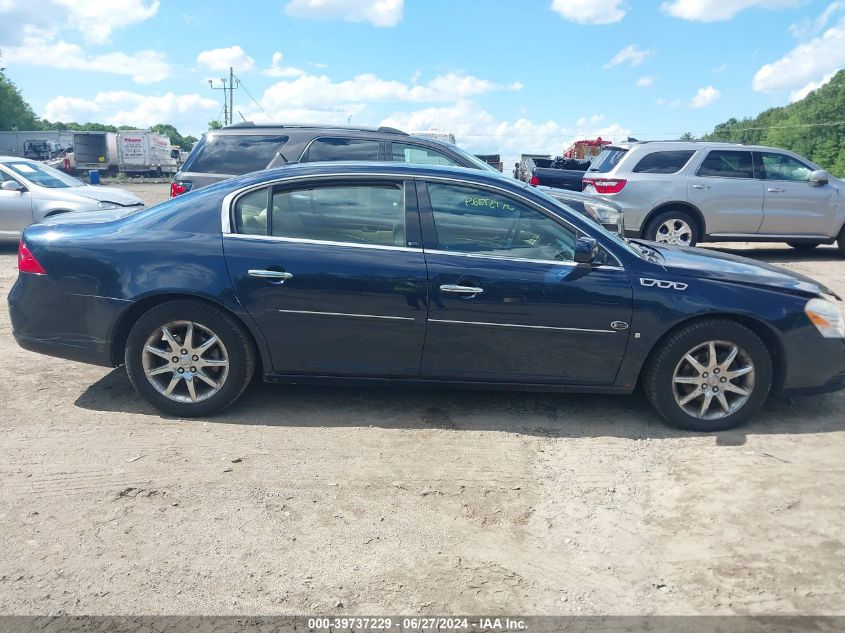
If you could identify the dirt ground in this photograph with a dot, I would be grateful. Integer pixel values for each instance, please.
(305, 500)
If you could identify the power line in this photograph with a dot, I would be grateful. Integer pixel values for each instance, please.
(249, 94)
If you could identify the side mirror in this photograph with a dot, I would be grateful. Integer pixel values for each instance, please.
(11, 185)
(819, 177)
(586, 250)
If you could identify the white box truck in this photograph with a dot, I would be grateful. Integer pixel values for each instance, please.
(142, 151)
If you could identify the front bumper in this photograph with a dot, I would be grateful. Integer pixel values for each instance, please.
(813, 364)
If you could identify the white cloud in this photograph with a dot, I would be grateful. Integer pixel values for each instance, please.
(220, 59)
(376, 12)
(704, 97)
(673, 103)
(38, 49)
(277, 70)
(120, 107)
(719, 10)
(645, 82)
(313, 91)
(590, 11)
(96, 21)
(797, 95)
(718, 70)
(479, 132)
(632, 54)
(808, 28)
(806, 66)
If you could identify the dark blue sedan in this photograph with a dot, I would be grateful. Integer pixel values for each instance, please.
(367, 273)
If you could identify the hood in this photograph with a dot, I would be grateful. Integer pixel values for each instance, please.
(106, 194)
(706, 264)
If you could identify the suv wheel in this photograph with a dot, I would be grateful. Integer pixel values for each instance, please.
(188, 358)
(709, 376)
(673, 227)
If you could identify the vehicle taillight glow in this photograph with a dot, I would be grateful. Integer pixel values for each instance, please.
(178, 187)
(27, 262)
(534, 180)
(605, 185)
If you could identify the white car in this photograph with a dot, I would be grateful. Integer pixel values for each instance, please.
(31, 191)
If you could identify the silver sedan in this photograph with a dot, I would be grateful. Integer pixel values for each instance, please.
(31, 191)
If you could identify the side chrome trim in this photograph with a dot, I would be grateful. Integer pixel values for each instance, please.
(528, 327)
(297, 240)
(775, 236)
(346, 314)
(550, 262)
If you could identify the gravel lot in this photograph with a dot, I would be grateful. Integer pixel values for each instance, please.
(309, 500)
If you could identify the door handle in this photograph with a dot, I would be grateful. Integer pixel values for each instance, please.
(701, 186)
(775, 190)
(276, 275)
(464, 290)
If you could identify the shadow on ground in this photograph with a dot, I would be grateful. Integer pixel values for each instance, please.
(537, 414)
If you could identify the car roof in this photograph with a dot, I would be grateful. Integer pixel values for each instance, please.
(691, 145)
(380, 167)
(6, 159)
(250, 126)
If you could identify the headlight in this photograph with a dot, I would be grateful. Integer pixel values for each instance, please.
(827, 317)
(108, 205)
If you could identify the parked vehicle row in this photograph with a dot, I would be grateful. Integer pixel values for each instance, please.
(360, 273)
(690, 192)
(562, 173)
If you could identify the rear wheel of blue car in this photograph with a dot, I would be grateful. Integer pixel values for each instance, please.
(188, 358)
(709, 376)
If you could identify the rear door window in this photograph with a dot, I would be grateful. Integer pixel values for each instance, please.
(663, 162)
(608, 159)
(331, 149)
(417, 154)
(727, 164)
(355, 214)
(235, 154)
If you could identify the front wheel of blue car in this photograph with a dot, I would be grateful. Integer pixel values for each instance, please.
(188, 358)
(709, 376)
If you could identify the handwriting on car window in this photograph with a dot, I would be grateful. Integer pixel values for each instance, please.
(487, 202)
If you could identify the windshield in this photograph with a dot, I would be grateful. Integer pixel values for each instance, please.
(43, 175)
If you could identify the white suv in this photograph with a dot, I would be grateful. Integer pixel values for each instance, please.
(681, 192)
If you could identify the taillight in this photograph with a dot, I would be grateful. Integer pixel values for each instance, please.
(178, 187)
(534, 180)
(27, 262)
(605, 185)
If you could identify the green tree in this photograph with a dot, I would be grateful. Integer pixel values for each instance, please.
(14, 110)
(687, 136)
(215, 125)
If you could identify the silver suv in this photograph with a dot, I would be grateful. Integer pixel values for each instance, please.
(681, 192)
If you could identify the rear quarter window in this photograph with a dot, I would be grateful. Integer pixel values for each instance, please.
(235, 154)
(663, 162)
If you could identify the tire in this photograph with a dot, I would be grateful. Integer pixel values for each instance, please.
(228, 362)
(840, 242)
(802, 246)
(669, 378)
(683, 222)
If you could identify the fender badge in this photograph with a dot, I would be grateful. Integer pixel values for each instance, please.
(619, 325)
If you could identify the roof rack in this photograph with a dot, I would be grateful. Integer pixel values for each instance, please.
(355, 128)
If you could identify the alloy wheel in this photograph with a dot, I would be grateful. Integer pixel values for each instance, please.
(713, 380)
(674, 231)
(185, 361)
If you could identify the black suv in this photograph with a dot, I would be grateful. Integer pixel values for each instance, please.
(244, 147)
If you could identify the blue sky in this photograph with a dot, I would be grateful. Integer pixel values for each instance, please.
(505, 77)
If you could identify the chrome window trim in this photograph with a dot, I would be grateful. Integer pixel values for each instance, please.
(348, 314)
(231, 198)
(302, 240)
(524, 260)
(529, 327)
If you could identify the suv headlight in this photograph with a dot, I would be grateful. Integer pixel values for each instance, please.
(827, 316)
(107, 205)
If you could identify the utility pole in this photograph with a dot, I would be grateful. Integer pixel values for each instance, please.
(228, 99)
